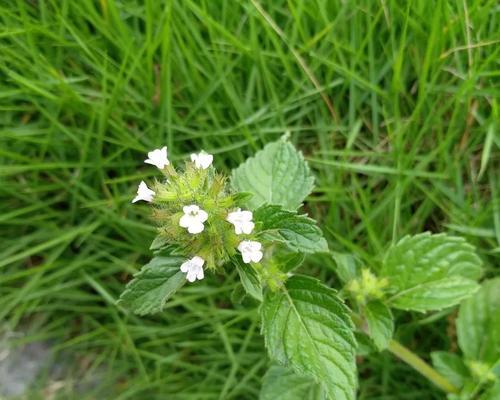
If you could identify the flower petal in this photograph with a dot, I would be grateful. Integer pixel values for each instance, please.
(257, 256)
(202, 215)
(143, 193)
(191, 276)
(185, 221)
(196, 227)
(158, 158)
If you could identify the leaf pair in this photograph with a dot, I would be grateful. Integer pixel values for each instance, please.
(305, 325)
(424, 272)
(277, 174)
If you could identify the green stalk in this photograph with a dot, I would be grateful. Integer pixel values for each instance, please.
(421, 366)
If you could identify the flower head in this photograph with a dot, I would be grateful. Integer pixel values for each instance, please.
(193, 268)
(193, 218)
(367, 286)
(144, 193)
(250, 251)
(158, 158)
(202, 160)
(242, 221)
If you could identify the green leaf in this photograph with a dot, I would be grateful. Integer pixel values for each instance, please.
(365, 344)
(431, 272)
(287, 261)
(249, 280)
(451, 366)
(153, 285)
(308, 328)
(492, 393)
(348, 266)
(298, 232)
(380, 323)
(435, 295)
(277, 174)
(281, 383)
(242, 197)
(159, 242)
(478, 324)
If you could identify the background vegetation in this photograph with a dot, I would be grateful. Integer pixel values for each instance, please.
(393, 103)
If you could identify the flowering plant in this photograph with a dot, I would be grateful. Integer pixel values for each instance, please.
(208, 223)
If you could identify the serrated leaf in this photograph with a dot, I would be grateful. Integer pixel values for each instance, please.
(280, 383)
(298, 232)
(380, 323)
(308, 328)
(431, 272)
(435, 295)
(249, 280)
(451, 366)
(153, 285)
(478, 324)
(277, 174)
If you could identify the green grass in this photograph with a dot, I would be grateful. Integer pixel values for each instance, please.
(88, 87)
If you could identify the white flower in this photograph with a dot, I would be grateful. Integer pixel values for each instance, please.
(242, 221)
(250, 251)
(193, 268)
(202, 160)
(144, 193)
(158, 157)
(193, 218)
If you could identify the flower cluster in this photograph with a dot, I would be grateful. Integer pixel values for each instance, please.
(197, 213)
(367, 286)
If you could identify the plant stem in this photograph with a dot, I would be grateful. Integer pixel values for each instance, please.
(421, 366)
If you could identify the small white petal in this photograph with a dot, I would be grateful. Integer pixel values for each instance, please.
(196, 228)
(193, 268)
(257, 256)
(250, 251)
(144, 193)
(198, 261)
(202, 160)
(192, 209)
(191, 276)
(193, 218)
(242, 221)
(256, 246)
(247, 258)
(247, 227)
(158, 158)
(202, 215)
(246, 215)
(186, 221)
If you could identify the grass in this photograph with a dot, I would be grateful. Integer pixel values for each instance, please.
(409, 144)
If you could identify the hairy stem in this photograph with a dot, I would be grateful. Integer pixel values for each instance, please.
(421, 366)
